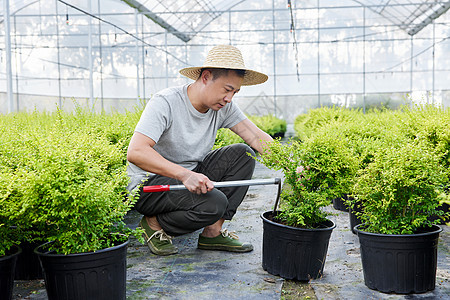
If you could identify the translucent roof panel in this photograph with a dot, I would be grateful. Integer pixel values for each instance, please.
(410, 15)
(184, 19)
(118, 52)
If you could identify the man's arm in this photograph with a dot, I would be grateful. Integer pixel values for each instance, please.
(252, 135)
(141, 153)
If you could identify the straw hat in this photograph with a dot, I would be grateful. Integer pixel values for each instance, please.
(226, 57)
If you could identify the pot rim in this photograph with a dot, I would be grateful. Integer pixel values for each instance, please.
(297, 228)
(38, 250)
(19, 250)
(433, 230)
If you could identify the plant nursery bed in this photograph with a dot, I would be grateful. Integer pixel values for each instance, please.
(198, 274)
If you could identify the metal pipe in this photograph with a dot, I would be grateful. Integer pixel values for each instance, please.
(364, 60)
(411, 72)
(318, 53)
(100, 52)
(58, 55)
(433, 99)
(274, 61)
(9, 90)
(138, 86)
(91, 64)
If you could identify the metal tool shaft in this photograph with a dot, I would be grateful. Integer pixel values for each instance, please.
(163, 188)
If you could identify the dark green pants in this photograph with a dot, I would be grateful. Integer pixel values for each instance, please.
(180, 212)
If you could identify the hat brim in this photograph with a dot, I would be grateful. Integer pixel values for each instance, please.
(250, 78)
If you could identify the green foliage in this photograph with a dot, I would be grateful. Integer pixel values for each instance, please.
(9, 236)
(317, 170)
(269, 124)
(395, 144)
(226, 137)
(63, 179)
(306, 124)
(445, 199)
(398, 191)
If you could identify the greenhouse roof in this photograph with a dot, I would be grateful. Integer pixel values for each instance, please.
(185, 19)
(314, 51)
(410, 15)
(182, 18)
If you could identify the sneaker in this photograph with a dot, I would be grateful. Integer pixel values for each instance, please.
(226, 241)
(159, 242)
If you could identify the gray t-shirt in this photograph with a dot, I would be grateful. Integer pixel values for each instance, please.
(182, 134)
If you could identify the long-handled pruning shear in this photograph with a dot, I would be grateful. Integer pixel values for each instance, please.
(164, 188)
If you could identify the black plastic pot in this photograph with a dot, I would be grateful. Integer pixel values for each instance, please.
(294, 253)
(7, 267)
(93, 275)
(404, 263)
(278, 135)
(28, 266)
(339, 203)
(354, 220)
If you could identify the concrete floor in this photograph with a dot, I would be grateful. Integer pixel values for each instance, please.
(198, 274)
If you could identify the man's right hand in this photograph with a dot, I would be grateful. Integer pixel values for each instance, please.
(141, 153)
(197, 183)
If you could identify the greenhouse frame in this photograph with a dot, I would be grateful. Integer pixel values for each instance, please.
(114, 54)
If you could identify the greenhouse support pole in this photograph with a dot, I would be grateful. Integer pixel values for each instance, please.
(364, 60)
(138, 86)
(411, 72)
(318, 53)
(434, 68)
(229, 27)
(274, 61)
(143, 57)
(100, 53)
(9, 91)
(58, 55)
(16, 59)
(167, 60)
(91, 77)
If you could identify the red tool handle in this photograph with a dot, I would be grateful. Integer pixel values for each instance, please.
(156, 188)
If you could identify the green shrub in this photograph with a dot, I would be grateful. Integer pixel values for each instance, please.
(428, 124)
(226, 137)
(269, 124)
(306, 124)
(393, 146)
(315, 171)
(63, 183)
(400, 188)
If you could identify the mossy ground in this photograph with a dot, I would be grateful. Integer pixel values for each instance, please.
(296, 290)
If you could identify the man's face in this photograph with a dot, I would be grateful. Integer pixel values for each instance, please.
(220, 91)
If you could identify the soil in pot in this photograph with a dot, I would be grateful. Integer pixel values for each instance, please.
(294, 253)
(400, 263)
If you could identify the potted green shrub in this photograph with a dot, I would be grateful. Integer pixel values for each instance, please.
(70, 190)
(397, 192)
(295, 239)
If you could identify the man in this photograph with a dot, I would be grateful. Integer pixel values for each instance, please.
(172, 145)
